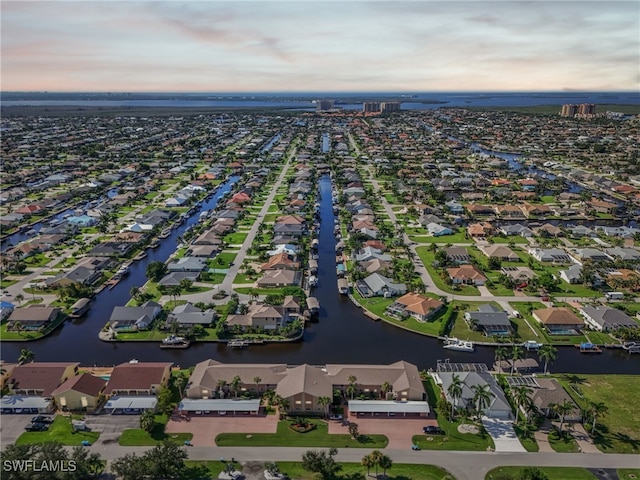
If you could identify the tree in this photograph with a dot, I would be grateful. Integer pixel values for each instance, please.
(481, 397)
(220, 385)
(186, 284)
(324, 402)
(547, 353)
(455, 391)
(134, 292)
(500, 355)
(367, 462)
(257, 381)
(376, 456)
(174, 291)
(384, 389)
(385, 463)
(521, 396)
(596, 410)
(562, 409)
(88, 464)
(166, 461)
(516, 354)
(26, 356)
(235, 385)
(156, 270)
(351, 388)
(353, 430)
(321, 462)
(147, 421)
(19, 298)
(532, 473)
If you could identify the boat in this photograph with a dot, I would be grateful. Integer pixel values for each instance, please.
(165, 234)
(173, 341)
(140, 256)
(313, 281)
(631, 347)
(531, 345)
(155, 244)
(458, 345)
(586, 347)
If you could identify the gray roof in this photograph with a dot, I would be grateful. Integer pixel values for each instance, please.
(139, 402)
(489, 315)
(608, 317)
(219, 405)
(377, 282)
(387, 406)
(470, 379)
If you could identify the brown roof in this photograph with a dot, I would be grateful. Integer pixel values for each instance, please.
(85, 383)
(419, 304)
(136, 376)
(39, 376)
(33, 313)
(466, 272)
(557, 316)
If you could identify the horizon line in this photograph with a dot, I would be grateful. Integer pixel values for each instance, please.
(300, 92)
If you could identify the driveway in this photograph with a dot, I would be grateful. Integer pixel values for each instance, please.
(503, 435)
(12, 426)
(206, 429)
(398, 430)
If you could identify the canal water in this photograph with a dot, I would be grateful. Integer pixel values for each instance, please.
(342, 333)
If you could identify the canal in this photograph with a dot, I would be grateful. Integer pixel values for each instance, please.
(342, 333)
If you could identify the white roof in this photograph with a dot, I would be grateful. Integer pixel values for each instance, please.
(387, 406)
(20, 401)
(220, 405)
(131, 402)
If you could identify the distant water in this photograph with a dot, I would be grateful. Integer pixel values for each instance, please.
(304, 101)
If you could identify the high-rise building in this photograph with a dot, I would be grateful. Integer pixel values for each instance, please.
(324, 105)
(371, 107)
(587, 109)
(387, 107)
(569, 110)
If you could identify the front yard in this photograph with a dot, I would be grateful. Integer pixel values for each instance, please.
(59, 431)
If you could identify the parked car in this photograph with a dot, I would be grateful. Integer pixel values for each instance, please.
(41, 419)
(432, 430)
(36, 427)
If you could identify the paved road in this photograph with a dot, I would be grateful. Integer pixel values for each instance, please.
(463, 465)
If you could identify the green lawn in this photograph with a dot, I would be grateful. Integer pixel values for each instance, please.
(544, 337)
(399, 471)
(458, 237)
(619, 430)
(4, 283)
(428, 258)
(135, 437)
(59, 431)
(553, 473)
(243, 278)
(516, 239)
(224, 258)
(285, 437)
(563, 443)
(147, 335)
(235, 238)
(377, 305)
(628, 473)
(526, 438)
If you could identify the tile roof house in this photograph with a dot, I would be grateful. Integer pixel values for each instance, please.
(490, 319)
(142, 378)
(33, 317)
(604, 319)
(559, 320)
(466, 274)
(547, 392)
(40, 378)
(261, 315)
(80, 392)
(501, 252)
(420, 307)
(279, 278)
(281, 261)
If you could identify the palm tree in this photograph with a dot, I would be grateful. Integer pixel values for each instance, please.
(220, 385)
(235, 385)
(548, 354)
(597, 410)
(257, 381)
(376, 456)
(26, 356)
(147, 421)
(19, 298)
(324, 402)
(186, 284)
(516, 354)
(367, 462)
(175, 291)
(385, 463)
(481, 396)
(455, 391)
(384, 389)
(500, 355)
(351, 388)
(180, 380)
(521, 396)
(562, 409)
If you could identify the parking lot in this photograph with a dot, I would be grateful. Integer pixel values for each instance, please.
(111, 426)
(205, 429)
(398, 430)
(12, 426)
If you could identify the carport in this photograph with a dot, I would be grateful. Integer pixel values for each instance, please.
(130, 405)
(26, 404)
(389, 408)
(219, 406)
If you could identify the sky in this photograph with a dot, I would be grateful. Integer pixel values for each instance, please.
(302, 45)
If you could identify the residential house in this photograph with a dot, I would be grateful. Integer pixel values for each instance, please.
(376, 285)
(572, 275)
(280, 278)
(458, 255)
(260, 315)
(133, 386)
(490, 319)
(516, 229)
(437, 230)
(501, 252)
(481, 229)
(498, 405)
(33, 317)
(547, 392)
(549, 230)
(602, 206)
(281, 261)
(134, 318)
(550, 255)
(605, 319)
(420, 307)
(559, 320)
(582, 254)
(370, 253)
(187, 315)
(467, 275)
(81, 275)
(509, 211)
(79, 393)
(187, 264)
